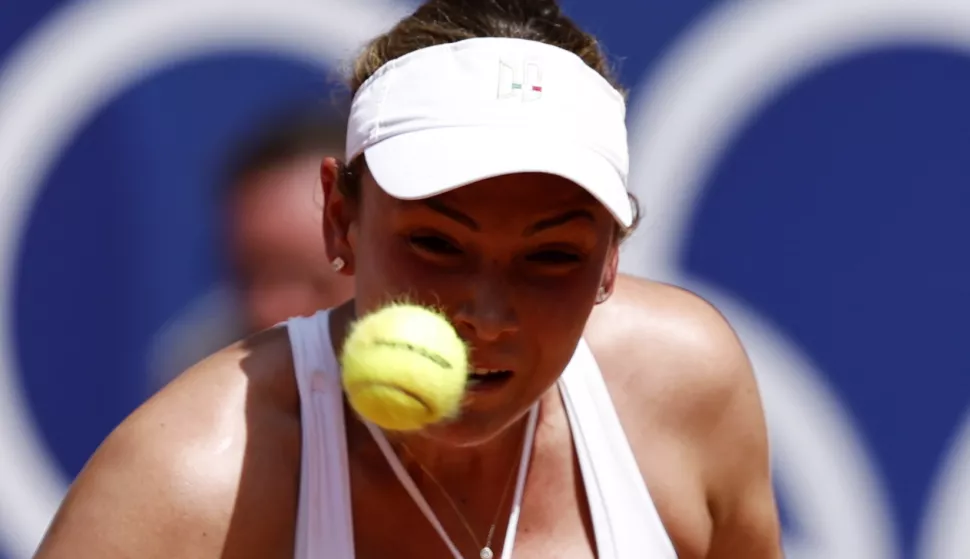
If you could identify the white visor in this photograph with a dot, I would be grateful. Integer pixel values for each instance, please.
(450, 115)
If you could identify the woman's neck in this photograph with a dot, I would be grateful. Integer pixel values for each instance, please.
(487, 462)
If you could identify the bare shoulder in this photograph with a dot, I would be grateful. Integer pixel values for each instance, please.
(193, 471)
(686, 394)
(657, 339)
(673, 365)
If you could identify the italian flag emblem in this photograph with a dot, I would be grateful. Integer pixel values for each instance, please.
(522, 81)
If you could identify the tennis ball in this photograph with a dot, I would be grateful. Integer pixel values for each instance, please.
(404, 367)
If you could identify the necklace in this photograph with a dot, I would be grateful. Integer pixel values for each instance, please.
(486, 550)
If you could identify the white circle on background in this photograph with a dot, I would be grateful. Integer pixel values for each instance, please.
(62, 74)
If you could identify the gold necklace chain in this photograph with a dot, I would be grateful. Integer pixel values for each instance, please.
(486, 550)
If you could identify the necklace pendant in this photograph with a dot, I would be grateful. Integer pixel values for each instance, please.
(486, 553)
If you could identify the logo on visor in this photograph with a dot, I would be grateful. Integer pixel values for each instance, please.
(522, 81)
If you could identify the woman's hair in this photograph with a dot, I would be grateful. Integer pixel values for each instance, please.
(439, 22)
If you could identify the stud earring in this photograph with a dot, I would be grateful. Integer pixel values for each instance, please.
(337, 264)
(601, 295)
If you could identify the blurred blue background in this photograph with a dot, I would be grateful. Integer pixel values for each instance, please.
(827, 221)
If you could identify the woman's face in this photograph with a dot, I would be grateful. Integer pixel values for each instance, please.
(514, 261)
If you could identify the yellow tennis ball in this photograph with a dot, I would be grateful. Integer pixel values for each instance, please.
(404, 367)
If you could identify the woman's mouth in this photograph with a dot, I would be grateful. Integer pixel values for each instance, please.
(480, 379)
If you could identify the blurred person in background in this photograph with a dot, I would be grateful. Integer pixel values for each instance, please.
(274, 231)
(271, 203)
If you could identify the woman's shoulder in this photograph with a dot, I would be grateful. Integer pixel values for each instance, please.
(672, 334)
(669, 358)
(686, 395)
(193, 471)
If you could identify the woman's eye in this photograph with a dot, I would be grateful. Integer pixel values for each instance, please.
(434, 245)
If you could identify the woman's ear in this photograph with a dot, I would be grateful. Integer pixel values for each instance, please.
(339, 213)
(610, 271)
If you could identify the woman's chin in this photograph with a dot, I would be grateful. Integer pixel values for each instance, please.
(472, 427)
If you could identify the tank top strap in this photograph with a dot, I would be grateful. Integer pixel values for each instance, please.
(625, 520)
(325, 519)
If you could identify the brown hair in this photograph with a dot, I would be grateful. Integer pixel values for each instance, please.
(439, 22)
(282, 136)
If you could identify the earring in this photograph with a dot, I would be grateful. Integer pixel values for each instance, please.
(601, 295)
(337, 264)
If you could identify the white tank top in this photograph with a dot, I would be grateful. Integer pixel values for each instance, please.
(625, 520)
